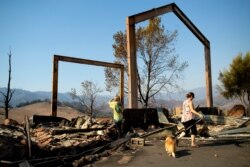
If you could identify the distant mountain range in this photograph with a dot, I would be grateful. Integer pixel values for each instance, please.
(24, 96)
(164, 100)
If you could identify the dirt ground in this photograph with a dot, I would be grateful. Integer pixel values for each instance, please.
(43, 108)
(209, 154)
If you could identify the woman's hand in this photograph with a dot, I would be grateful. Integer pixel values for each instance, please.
(201, 116)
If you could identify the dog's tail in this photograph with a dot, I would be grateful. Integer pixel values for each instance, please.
(173, 154)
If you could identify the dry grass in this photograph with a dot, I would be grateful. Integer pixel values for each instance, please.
(43, 108)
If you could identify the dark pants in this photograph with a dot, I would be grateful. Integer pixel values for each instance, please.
(118, 126)
(190, 125)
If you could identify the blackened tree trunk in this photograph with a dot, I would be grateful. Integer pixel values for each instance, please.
(7, 96)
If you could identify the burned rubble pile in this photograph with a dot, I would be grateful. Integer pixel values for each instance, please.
(69, 134)
(54, 141)
(227, 127)
(221, 125)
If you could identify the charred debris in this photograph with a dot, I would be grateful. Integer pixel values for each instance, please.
(54, 141)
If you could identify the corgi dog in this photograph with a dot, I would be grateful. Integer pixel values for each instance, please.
(170, 146)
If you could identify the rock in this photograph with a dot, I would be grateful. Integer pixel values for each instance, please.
(237, 111)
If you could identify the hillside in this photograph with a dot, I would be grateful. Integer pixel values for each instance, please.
(164, 100)
(24, 96)
(43, 108)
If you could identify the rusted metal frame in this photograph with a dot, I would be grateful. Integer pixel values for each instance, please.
(134, 19)
(131, 47)
(122, 84)
(58, 58)
(54, 87)
(208, 76)
(206, 43)
(137, 18)
(178, 12)
(132, 65)
(86, 61)
(130, 27)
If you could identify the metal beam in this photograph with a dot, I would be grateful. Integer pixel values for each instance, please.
(86, 61)
(134, 19)
(54, 87)
(58, 58)
(137, 18)
(132, 65)
(177, 11)
(208, 76)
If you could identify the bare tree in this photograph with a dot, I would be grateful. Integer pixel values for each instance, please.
(7, 96)
(88, 96)
(158, 68)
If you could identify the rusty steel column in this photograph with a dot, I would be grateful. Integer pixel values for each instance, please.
(131, 49)
(58, 58)
(54, 87)
(132, 64)
(208, 75)
(122, 85)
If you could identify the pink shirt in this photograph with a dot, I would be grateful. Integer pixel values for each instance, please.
(186, 112)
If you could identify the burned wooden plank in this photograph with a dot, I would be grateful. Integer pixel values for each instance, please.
(61, 131)
(27, 127)
(121, 141)
(45, 119)
(84, 156)
(161, 132)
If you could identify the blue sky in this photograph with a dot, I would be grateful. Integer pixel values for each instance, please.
(36, 30)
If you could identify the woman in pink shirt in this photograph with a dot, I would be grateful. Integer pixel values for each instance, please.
(187, 118)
